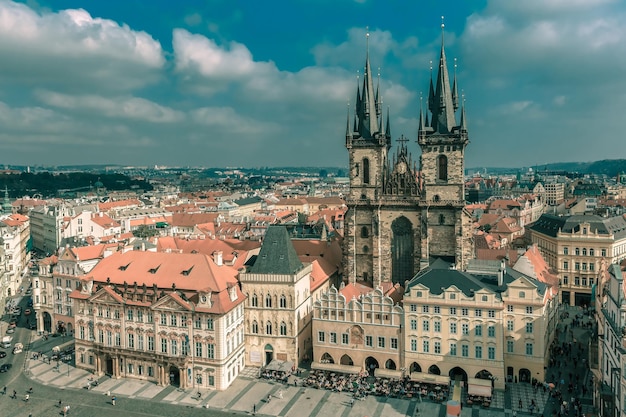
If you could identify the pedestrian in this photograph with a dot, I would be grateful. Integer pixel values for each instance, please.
(60, 403)
(4, 390)
(113, 400)
(280, 394)
(520, 403)
(26, 398)
(253, 409)
(351, 402)
(269, 398)
(14, 394)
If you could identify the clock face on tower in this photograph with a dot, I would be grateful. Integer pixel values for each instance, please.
(401, 167)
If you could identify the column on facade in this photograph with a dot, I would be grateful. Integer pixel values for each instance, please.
(98, 365)
(116, 367)
(182, 378)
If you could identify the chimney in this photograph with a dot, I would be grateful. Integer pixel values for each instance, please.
(217, 257)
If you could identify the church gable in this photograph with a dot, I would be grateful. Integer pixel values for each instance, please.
(169, 303)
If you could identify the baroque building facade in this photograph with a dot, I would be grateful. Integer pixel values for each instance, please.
(170, 318)
(401, 214)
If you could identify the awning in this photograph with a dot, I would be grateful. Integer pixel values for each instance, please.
(334, 367)
(387, 373)
(480, 387)
(430, 378)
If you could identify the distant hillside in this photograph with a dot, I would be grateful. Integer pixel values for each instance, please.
(609, 167)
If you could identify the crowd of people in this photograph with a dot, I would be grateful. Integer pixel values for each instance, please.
(361, 385)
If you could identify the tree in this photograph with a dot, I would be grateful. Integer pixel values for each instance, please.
(144, 232)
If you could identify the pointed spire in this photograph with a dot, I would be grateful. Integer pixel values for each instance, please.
(443, 115)
(379, 99)
(455, 90)
(421, 123)
(348, 132)
(462, 125)
(431, 91)
(388, 127)
(370, 123)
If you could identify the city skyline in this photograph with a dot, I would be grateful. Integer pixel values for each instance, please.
(217, 84)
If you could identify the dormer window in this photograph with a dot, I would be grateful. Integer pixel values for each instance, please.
(232, 292)
(154, 270)
(186, 272)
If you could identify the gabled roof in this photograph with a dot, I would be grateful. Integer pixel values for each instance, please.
(439, 276)
(277, 254)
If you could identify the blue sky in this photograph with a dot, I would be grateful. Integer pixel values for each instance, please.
(250, 83)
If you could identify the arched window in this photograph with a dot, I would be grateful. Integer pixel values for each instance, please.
(268, 300)
(366, 171)
(268, 328)
(364, 232)
(366, 249)
(442, 219)
(255, 327)
(442, 168)
(283, 329)
(254, 300)
(283, 301)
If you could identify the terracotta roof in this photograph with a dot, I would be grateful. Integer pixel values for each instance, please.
(104, 220)
(195, 272)
(192, 219)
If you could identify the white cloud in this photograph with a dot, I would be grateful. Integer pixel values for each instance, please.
(121, 107)
(77, 49)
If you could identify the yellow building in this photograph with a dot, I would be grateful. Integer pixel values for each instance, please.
(575, 246)
(489, 322)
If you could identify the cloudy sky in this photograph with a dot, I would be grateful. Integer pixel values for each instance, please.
(266, 83)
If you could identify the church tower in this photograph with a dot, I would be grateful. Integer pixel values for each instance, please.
(383, 203)
(442, 141)
(399, 215)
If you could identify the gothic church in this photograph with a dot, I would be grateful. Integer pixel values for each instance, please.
(401, 215)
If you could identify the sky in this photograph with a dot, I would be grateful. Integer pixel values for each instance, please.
(248, 83)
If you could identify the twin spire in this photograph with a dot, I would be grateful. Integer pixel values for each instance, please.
(369, 123)
(442, 103)
(443, 99)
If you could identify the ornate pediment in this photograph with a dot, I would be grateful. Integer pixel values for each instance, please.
(169, 303)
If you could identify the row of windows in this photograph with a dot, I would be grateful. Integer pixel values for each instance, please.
(580, 266)
(254, 328)
(465, 349)
(381, 342)
(478, 312)
(171, 347)
(173, 319)
(583, 251)
(282, 301)
(478, 329)
(578, 281)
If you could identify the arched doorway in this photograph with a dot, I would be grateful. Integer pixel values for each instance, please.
(458, 371)
(434, 370)
(402, 246)
(326, 358)
(47, 322)
(371, 364)
(269, 353)
(390, 365)
(346, 360)
(484, 374)
(524, 375)
(174, 376)
(415, 367)
(69, 329)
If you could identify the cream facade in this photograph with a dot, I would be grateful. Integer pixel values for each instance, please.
(576, 246)
(278, 306)
(489, 324)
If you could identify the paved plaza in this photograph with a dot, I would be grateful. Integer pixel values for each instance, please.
(248, 393)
